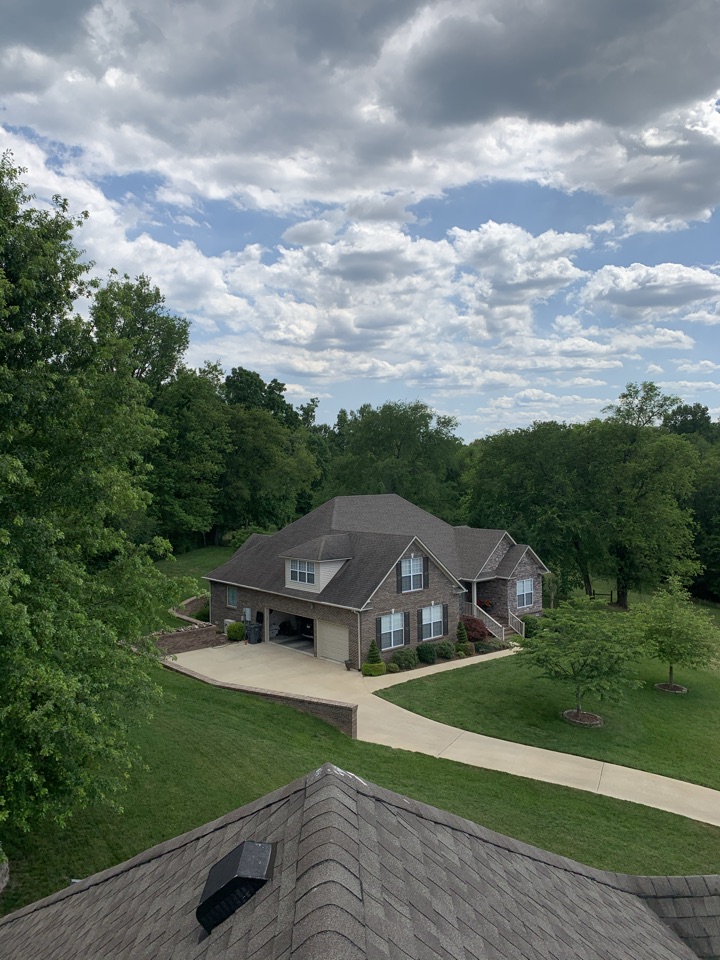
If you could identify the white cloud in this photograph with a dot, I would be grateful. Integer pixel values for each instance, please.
(643, 292)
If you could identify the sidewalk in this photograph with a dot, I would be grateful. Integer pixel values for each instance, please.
(271, 667)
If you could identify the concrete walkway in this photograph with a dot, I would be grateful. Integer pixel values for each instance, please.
(271, 667)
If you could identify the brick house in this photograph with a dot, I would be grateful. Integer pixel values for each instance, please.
(375, 566)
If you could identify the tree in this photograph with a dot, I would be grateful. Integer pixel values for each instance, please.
(403, 448)
(190, 458)
(677, 631)
(247, 389)
(584, 647)
(642, 405)
(140, 338)
(76, 594)
(691, 420)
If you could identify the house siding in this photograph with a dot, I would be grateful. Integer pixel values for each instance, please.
(386, 599)
(260, 599)
(503, 593)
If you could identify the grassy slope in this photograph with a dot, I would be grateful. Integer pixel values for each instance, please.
(676, 736)
(196, 563)
(209, 751)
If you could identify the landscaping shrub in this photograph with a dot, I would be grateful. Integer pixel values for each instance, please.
(236, 631)
(532, 625)
(476, 629)
(393, 668)
(491, 645)
(238, 537)
(445, 650)
(373, 669)
(460, 655)
(426, 652)
(203, 613)
(406, 658)
(465, 648)
(374, 653)
(462, 635)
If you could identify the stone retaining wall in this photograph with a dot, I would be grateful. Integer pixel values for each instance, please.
(343, 716)
(190, 638)
(4, 874)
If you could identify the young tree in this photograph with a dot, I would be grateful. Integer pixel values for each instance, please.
(76, 595)
(677, 632)
(584, 647)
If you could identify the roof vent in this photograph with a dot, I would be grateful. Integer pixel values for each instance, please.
(234, 880)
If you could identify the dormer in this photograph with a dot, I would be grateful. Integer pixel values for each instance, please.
(311, 566)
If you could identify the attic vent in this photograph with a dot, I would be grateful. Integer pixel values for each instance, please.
(234, 880)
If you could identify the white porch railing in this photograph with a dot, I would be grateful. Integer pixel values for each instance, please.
(516, 623)
(495, 628)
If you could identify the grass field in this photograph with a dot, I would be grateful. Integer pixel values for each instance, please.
(210, 750)
(676, 736)
(196, 563)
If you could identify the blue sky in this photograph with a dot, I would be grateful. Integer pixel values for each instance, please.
(507, 209)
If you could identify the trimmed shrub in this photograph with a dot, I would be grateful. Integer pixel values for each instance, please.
(373, 669)
(426, 653)
(374, 653)
(465, 648)
(393, 668)
(491, 645)
(476, 629)
(462, 635)
(236, 631)
(203, 613)
(532, 625)
(460, 655)
(405, 658)
(445, 650)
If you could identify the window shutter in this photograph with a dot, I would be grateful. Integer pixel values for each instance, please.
(445, 619)
(406, 627)
(398, 576)
(426, 573)
(378, 631)
(419, 636)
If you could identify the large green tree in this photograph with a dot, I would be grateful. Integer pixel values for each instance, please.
(75, 593)
(403, 448)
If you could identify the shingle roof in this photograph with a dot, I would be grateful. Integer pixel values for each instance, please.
(361, 872)
(375, 526)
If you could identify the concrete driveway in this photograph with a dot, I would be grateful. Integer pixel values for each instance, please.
(272, 667)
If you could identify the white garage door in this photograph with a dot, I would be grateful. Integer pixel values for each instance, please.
(333, 641)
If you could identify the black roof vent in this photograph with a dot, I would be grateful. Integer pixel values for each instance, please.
(233, 880)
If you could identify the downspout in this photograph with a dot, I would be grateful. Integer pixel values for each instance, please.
(359, 642)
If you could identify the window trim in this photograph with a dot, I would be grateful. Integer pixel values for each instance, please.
(412, 575)
(302, 571)
(228, 604)
(394, 617)
(524, 593)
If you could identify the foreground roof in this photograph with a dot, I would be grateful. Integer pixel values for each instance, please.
(370, 532)
(361, 872)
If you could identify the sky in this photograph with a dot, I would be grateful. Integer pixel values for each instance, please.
(507, 209)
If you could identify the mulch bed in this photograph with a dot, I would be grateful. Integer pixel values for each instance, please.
(582, 719)
(671, 688)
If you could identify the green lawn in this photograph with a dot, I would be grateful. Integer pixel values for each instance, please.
(196, 563)
(210, 750)
(676, 736)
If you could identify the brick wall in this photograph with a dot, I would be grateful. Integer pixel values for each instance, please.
(527, 569)
(441, 590)
(343, 716)
(498, 553)
(189, 638)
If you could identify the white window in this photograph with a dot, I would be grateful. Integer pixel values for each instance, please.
(392, 630)
(232, 596)
(524, 593)
(412, 574)
(431, 621)
(302, 571)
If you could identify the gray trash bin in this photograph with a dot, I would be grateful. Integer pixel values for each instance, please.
(254, 633)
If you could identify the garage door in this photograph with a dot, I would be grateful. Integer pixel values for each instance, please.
(333, 641)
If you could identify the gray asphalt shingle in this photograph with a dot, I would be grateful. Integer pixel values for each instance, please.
(363, 872)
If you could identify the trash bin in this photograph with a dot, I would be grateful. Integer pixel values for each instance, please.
(254, 633)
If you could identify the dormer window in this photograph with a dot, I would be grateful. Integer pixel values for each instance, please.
(302, 571)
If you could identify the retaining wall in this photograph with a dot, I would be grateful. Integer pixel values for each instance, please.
(343, 716)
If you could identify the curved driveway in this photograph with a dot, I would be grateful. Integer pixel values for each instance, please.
(272, 667)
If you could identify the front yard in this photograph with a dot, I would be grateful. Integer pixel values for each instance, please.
(210, 750)
(676, 736)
